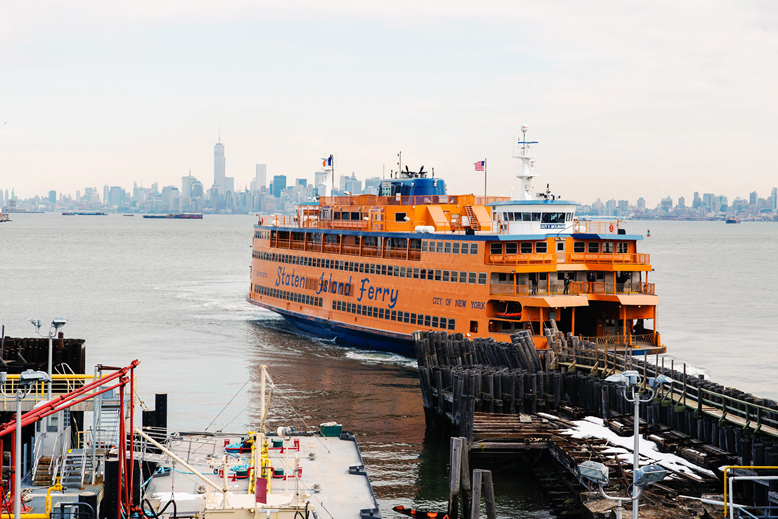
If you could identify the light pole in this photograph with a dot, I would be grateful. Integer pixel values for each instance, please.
(630, 381)
(27, 379)
(56, 324)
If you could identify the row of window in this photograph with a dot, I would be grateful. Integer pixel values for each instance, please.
(449, 247)
(395, 315)
(622, 247)
(512, 247)
(533, 217)
(288, 295)
(452, 276)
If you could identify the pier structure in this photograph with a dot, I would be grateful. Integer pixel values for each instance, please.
(508, 400)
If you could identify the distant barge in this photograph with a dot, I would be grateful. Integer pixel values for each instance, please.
(83, 213)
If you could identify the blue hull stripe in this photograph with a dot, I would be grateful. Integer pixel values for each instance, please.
(359, 336)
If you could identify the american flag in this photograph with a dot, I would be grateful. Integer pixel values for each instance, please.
(479, 166)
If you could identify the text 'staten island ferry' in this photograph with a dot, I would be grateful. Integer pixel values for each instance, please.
(368, 270)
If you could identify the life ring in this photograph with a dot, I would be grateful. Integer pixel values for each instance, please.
(611, 228)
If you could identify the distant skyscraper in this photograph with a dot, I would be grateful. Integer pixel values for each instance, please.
(752, 198)
(279, 184)
(681, 202)
(115, 196)
(52, 197)
(302, 182)
(105, 195)
(707, 201)
(774, 200)
(186, 185)
(260, 180)
(667, 203)
(219, 166)
(641, 203)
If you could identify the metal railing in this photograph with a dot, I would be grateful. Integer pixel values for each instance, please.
(521, 259)
(574, 288)
(61, 384)
(589, 227)
(608, 258)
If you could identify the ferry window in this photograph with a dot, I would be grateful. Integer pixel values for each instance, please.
(535, 217)
(541, 247)
(432, 246)
(336, 304)
(383, 270)
(405, 317)
(594, 246)
(517, 217)
(402, 272)
(424, 246)
(430, 273)
(569, 217)
(434, 322)
(496, 248)
(386, 314)
(526, 217)
(413, 318)
(426, 320)
(473, 248)
(336, 216)
(348, 308)
(560, 246)
(455, 248)
(399, 217)
(511, 247)
(415, 273)
(622, 247)
(372, 268)
(370, 311)
(415, 244)
(454, 276)
(451, 324)
(355, 216)
(510, 216)
(546, 218)
(600, 275)
(361, 268)
(579, 246)
(440, 248)
(607, 246)
(464, 248)
(474, 326)
(380, 313)
(447, 248)
(396, 271)
(482, 278)
(423, 273)
(471, 278)
(463, 277)
(445, 275)
(394, 315)
(437, 274)
(526, 248)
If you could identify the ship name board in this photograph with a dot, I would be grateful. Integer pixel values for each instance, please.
(377, 293)
(552, 226)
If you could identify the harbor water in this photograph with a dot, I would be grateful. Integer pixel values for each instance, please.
(171, 293)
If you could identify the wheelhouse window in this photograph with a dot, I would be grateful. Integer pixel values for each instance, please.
(526, 217)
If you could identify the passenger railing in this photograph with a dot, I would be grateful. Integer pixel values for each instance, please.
(589, 227)
(521, 259)
(575, 288)
(608, 258)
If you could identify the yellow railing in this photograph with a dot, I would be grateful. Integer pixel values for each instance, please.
(574, 288)
(609, 258)
(61, 384)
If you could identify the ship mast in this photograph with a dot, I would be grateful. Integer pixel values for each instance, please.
(527, 165)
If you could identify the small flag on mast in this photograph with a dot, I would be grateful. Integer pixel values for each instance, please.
(327, 162)
(479, 166)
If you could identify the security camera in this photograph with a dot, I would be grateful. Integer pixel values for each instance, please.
(30, 376)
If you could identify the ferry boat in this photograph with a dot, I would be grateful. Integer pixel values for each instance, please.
(368, 270)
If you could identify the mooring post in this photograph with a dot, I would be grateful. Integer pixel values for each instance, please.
(475, 505)
(465, 477)
(486, 481)
(454, 475)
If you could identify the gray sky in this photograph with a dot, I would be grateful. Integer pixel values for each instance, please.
(627, 99)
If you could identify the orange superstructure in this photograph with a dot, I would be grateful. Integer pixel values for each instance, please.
(369, 270)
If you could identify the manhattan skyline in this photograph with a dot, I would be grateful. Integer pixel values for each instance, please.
(625, 100)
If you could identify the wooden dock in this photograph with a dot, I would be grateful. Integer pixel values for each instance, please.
(509, 400)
